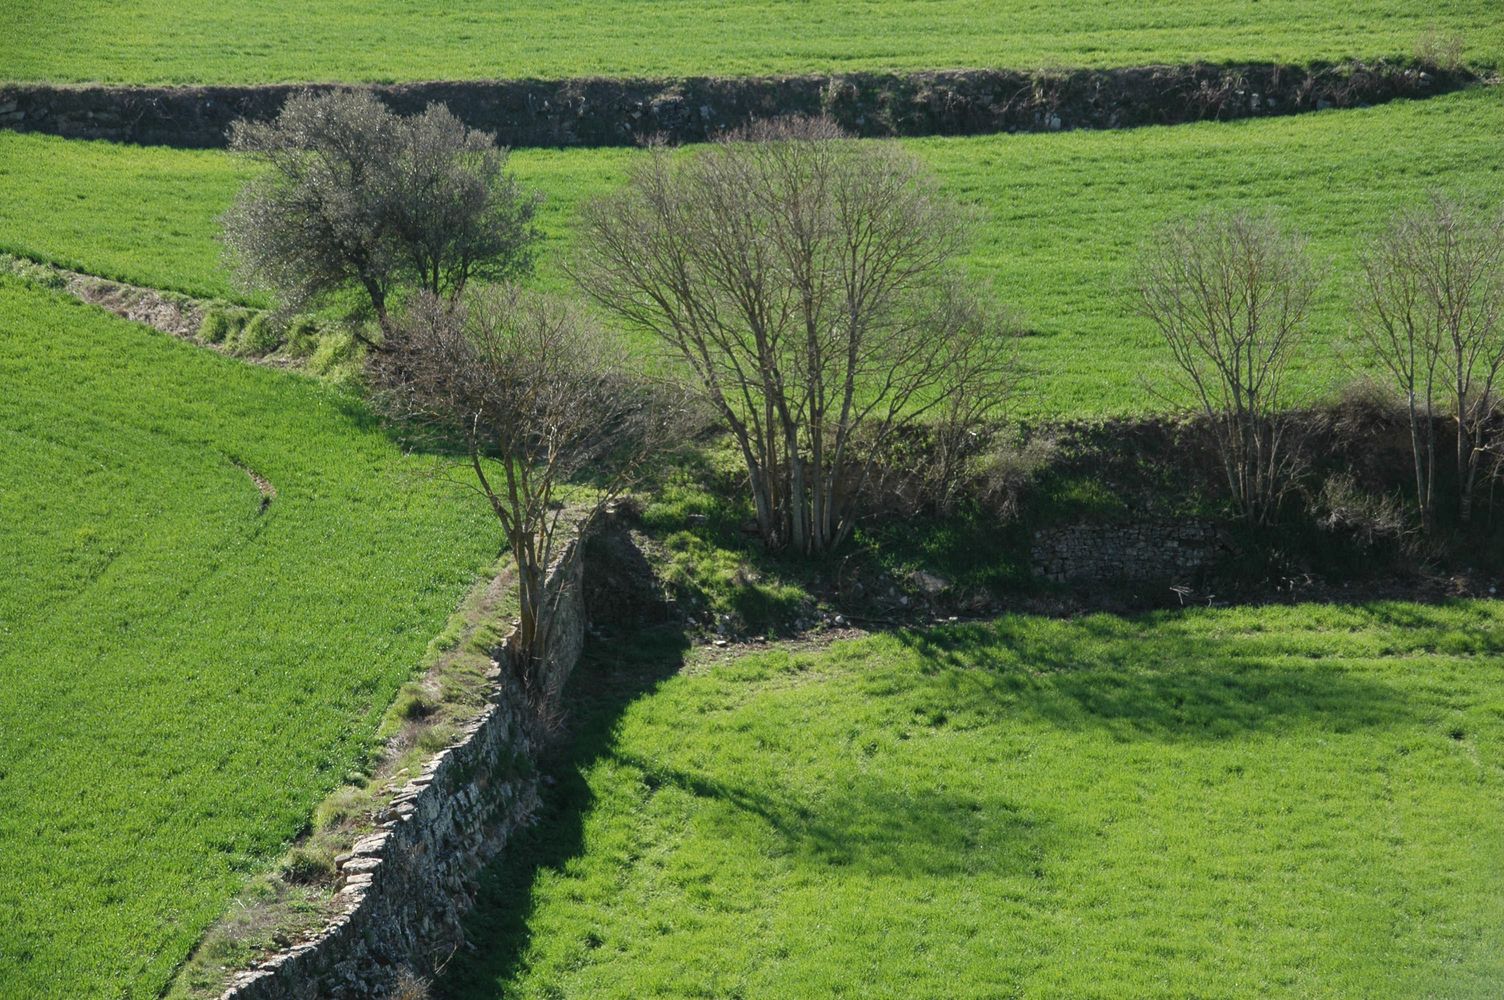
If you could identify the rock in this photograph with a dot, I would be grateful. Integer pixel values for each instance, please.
(930, 583)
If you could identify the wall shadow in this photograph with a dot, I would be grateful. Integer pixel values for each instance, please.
(609, 677)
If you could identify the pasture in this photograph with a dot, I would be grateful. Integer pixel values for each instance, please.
(1059, 216)
(271, 41)
(1302, 801)
(186, 669)
(218, 576)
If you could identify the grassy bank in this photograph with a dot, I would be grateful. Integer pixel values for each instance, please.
(1291, 801)
(187, 662)
(281, 40)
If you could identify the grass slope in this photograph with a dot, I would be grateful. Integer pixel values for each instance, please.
(148, 41)
(1297, 802)
(182, 675)
(1060, 214)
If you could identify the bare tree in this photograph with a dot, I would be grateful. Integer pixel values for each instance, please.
(356, 198)
(1402, 330)
(1429, 310)
(551, 423)
(1230, 293)
(806, 281)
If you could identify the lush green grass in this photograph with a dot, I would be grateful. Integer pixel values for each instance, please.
(1060, 214)
(1300, 801)
(151, 41)
(140, 214)
(182, 674)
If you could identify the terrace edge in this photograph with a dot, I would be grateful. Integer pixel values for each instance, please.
(593, 112)
(404, 889)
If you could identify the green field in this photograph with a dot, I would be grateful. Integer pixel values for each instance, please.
(183, 674)
(1284, 802)
(1060, 214)
(265, 41)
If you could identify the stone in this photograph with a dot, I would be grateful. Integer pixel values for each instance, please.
(428, 864)
(930, 583)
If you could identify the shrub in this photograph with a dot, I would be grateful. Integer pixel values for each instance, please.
(409, 987)
(258, 337)
(1442, 50)
(413, 703)
(308, 865)
(214, 327)
(302, 338)
(347, 802)
(1344, 508)
(1009, 470)
(1231, 295)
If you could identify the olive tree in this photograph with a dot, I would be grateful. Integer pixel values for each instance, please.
(1430, 310)
(1231, 295)
(357, 199)
(551, 424)
(807, 282)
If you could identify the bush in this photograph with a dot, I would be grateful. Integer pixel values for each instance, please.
(302, 338)
(308, 865)
(1344, 508)
(346, 802)
(1441, 50)
(413, 703)
(1008, 472)
(409, 987)
(215, 327)
(259, 337)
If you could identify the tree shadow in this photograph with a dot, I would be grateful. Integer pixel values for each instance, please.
(1158, 676)
(876, 826)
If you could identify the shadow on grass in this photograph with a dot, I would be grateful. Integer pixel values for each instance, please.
(874, 826)
(1164, 676)
(606, 681)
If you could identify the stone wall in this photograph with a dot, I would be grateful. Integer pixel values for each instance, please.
(404, 889)
(602, 112)
(1111, 553)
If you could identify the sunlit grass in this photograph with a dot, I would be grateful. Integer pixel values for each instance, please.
(183, 675)
(143, 41)
(1059, 216)
(1296, 801)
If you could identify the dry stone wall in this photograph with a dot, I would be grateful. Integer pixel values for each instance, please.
(1112, 553)
(404, 889)
(604, 112)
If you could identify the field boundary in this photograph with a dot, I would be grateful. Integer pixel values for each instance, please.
(402, 890)
(591, 112)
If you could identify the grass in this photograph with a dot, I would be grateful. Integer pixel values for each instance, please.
(184, 674)
(1290, 801)
(141, 41)
(143, 215)
(1060, 215)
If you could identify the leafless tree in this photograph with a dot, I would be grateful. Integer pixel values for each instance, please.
(1429, 310)
(358, 199)
(552, 425)
(1230, 293)
(806, 280)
